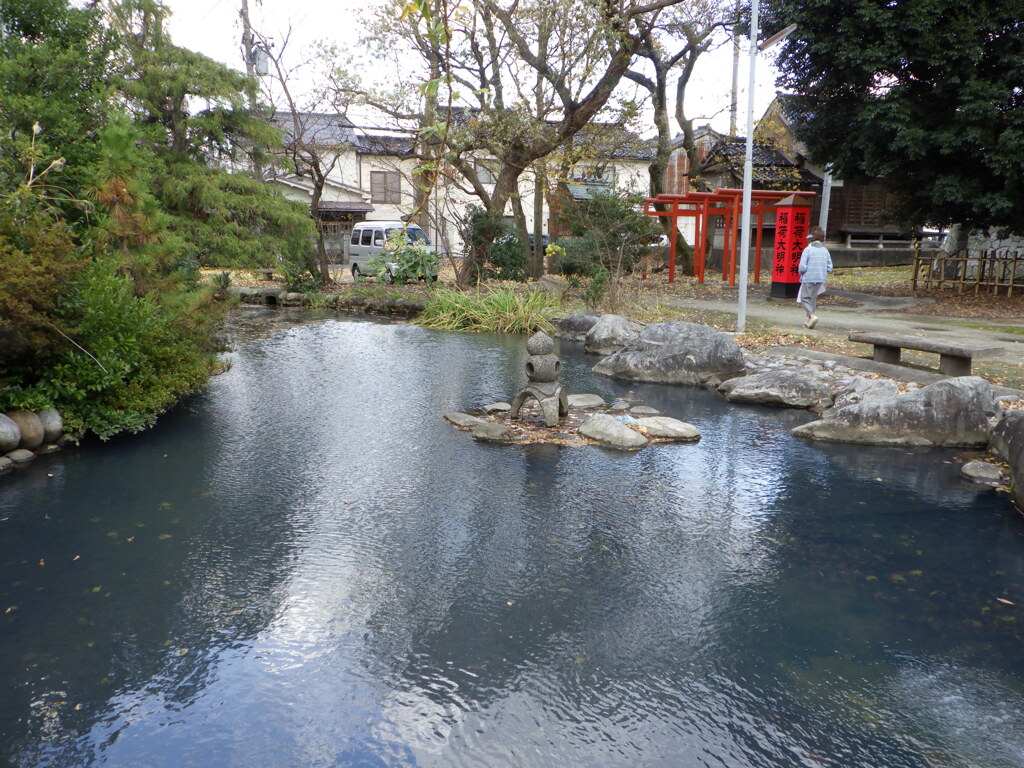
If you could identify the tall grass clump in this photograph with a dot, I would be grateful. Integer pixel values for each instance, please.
(500, 310)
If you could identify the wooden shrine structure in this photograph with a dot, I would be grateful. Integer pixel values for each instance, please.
(728, 203)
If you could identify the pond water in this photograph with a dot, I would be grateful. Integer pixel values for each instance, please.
(307, 566)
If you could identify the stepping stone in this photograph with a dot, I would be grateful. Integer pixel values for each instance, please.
(487, 432)
(462, 419)
(644, 410)
(586, 401)
(611, 432)
(663, 426)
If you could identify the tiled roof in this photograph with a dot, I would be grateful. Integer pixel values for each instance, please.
(311, 127)
(770, 167)
(373, 144)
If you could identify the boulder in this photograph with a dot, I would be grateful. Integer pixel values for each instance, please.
(53, 425)
(676, 353)
(462, 419)
(861, 390)
(31, 429)
(1008, 444)
(576, 327)
(981, 472)
(5, 464)
(488, 432)
(644, 410)
(585, 401)
(21, 455)
(497, 408)
(10, 434)
(952, 412)
(664, 426)
(610, 334)
(788, 388)
(609, 431)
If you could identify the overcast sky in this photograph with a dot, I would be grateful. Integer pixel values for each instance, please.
(212, 27)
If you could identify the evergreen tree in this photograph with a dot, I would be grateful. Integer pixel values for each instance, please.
(927, 94)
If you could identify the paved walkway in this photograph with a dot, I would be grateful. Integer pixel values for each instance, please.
(877, 313)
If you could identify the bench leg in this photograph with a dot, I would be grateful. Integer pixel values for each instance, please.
(954, 365)
(885, 354)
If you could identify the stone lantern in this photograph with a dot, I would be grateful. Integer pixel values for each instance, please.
(542, 369)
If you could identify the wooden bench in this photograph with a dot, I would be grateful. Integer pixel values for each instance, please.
(954, 359)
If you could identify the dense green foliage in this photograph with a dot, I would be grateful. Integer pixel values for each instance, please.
(495, 311)
(114, 191)
(492, 247)
(927, 94)
(608, 231)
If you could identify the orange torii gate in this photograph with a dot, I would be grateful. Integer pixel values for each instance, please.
(701, 206)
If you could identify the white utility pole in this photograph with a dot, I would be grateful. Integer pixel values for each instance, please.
(748, 159)
(748, 174)
(826, 198)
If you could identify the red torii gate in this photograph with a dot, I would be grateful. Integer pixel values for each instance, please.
(722, 202)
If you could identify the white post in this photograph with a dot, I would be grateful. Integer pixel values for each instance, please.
(826, 197)
(748, 175)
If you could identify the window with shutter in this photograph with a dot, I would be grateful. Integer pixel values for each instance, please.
(385, 187)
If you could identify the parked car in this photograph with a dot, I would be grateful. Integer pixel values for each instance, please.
(371, 239)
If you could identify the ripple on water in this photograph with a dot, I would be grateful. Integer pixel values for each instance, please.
(308, 566)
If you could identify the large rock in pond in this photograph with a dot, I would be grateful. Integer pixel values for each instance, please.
(609, 431)
(610, 334)
(676, 353)
(1008, 444)
(860, 390)
(53, 425)
(10, 434)
(953, 412)
(31, 427)
(788, 388)
(576, 327)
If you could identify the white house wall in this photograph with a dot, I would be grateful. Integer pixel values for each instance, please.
(451, 201)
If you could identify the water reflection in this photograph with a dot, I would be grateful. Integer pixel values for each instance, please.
(308, 566)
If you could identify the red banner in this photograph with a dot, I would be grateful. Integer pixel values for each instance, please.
(790, 240)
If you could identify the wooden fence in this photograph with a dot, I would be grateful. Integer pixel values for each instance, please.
(991, 271)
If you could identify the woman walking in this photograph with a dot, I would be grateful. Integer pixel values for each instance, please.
(815, 264)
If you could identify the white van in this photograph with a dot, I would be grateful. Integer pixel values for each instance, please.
(370, 240)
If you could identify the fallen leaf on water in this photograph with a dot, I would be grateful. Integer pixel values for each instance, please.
(76, 557)
(163, 536)
(96, 589)
(11, 608)
(1004, 601)
(42, 561)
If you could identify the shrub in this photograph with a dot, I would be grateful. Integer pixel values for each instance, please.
(496, 311)
(615, 227)
(492, 248)
(577, 257)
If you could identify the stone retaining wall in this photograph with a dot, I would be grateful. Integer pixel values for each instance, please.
(25, 435)
(345, 302)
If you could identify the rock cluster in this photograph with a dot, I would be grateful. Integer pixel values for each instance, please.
(24, 434)
(854, 408)
(591, 421)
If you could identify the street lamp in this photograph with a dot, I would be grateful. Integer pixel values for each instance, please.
(748, 159)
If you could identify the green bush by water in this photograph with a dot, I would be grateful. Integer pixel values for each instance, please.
(496, 311)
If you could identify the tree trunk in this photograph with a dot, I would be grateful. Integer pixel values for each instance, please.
(537, 265)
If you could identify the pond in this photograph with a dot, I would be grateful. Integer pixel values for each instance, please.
(307, 566)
